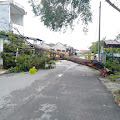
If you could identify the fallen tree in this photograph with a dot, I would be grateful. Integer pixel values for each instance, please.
(94, 64)
(91, 63)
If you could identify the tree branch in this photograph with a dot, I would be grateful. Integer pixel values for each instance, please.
(113, 5)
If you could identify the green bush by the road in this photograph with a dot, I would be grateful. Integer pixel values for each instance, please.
(25, 58)
(111, 65)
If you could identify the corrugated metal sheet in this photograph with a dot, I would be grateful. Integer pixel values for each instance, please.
(117, 42)
(112, 43)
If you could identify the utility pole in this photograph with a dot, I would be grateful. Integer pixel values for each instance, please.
(99, 32)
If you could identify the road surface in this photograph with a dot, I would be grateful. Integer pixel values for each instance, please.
(68, 92)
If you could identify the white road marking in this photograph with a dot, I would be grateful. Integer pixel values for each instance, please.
(60, 75)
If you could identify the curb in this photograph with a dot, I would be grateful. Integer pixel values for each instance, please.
(111, 86)
(4, 72)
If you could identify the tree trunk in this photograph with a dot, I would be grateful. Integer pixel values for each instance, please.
(91, 63)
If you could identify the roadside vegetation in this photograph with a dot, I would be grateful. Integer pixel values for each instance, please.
(111, 63)
(16, 59)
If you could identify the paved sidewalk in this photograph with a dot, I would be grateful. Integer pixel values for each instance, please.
(2, 71)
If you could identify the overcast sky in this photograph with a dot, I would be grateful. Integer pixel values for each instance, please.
(110, 27)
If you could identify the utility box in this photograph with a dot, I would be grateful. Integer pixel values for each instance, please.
(103, 57)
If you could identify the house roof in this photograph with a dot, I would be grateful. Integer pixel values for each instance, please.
(3, 35)
(59, 46)
(14, 7)
(51, 44)
(30, 38)
(112, 43)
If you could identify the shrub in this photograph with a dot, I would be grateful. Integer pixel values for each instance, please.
(8, 60)
(89, 56)
(109, 65)
(117, 92)
(50, 64)
(112, 77)
(25, 59)
(117, 99)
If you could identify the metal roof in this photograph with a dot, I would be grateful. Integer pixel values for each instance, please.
(112, 43)
(2, 35)
(14, 7)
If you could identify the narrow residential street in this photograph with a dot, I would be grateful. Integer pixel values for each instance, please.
(67, 92)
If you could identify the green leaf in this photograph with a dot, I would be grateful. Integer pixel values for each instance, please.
(59, 14)
(32, 70)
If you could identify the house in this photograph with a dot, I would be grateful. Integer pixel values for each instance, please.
(32, 40)
(59, 46)
(11, 16)
(71, 50)
(11, 19)
(45, 45)
(112, 43)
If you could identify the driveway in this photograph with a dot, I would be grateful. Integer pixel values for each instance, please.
(68, 92)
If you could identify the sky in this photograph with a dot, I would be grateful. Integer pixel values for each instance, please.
(110, 28)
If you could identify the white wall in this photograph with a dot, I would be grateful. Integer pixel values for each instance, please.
(4, 17)
(17, 19)
(1, 50)
(11, 17)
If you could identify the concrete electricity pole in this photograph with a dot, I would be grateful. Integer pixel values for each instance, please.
(99, 32)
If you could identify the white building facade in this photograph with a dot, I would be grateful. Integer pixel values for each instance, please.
(11, 16)
(11, 19)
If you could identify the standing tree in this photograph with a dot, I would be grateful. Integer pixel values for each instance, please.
(118, 37)
(58, 14)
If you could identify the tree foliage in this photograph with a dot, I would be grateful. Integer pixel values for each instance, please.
(58, 14)
(94, 46)
(25, 59)
(118, 37)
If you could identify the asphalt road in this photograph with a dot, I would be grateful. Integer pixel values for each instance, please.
(68, 92)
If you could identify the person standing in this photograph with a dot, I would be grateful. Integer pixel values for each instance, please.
(86, 56)
(92, 56)
(95, 57)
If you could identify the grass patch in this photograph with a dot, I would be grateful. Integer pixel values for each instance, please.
(81, 56)
(117, 92)
(91, 68)
(113, 77)
(117, 100)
